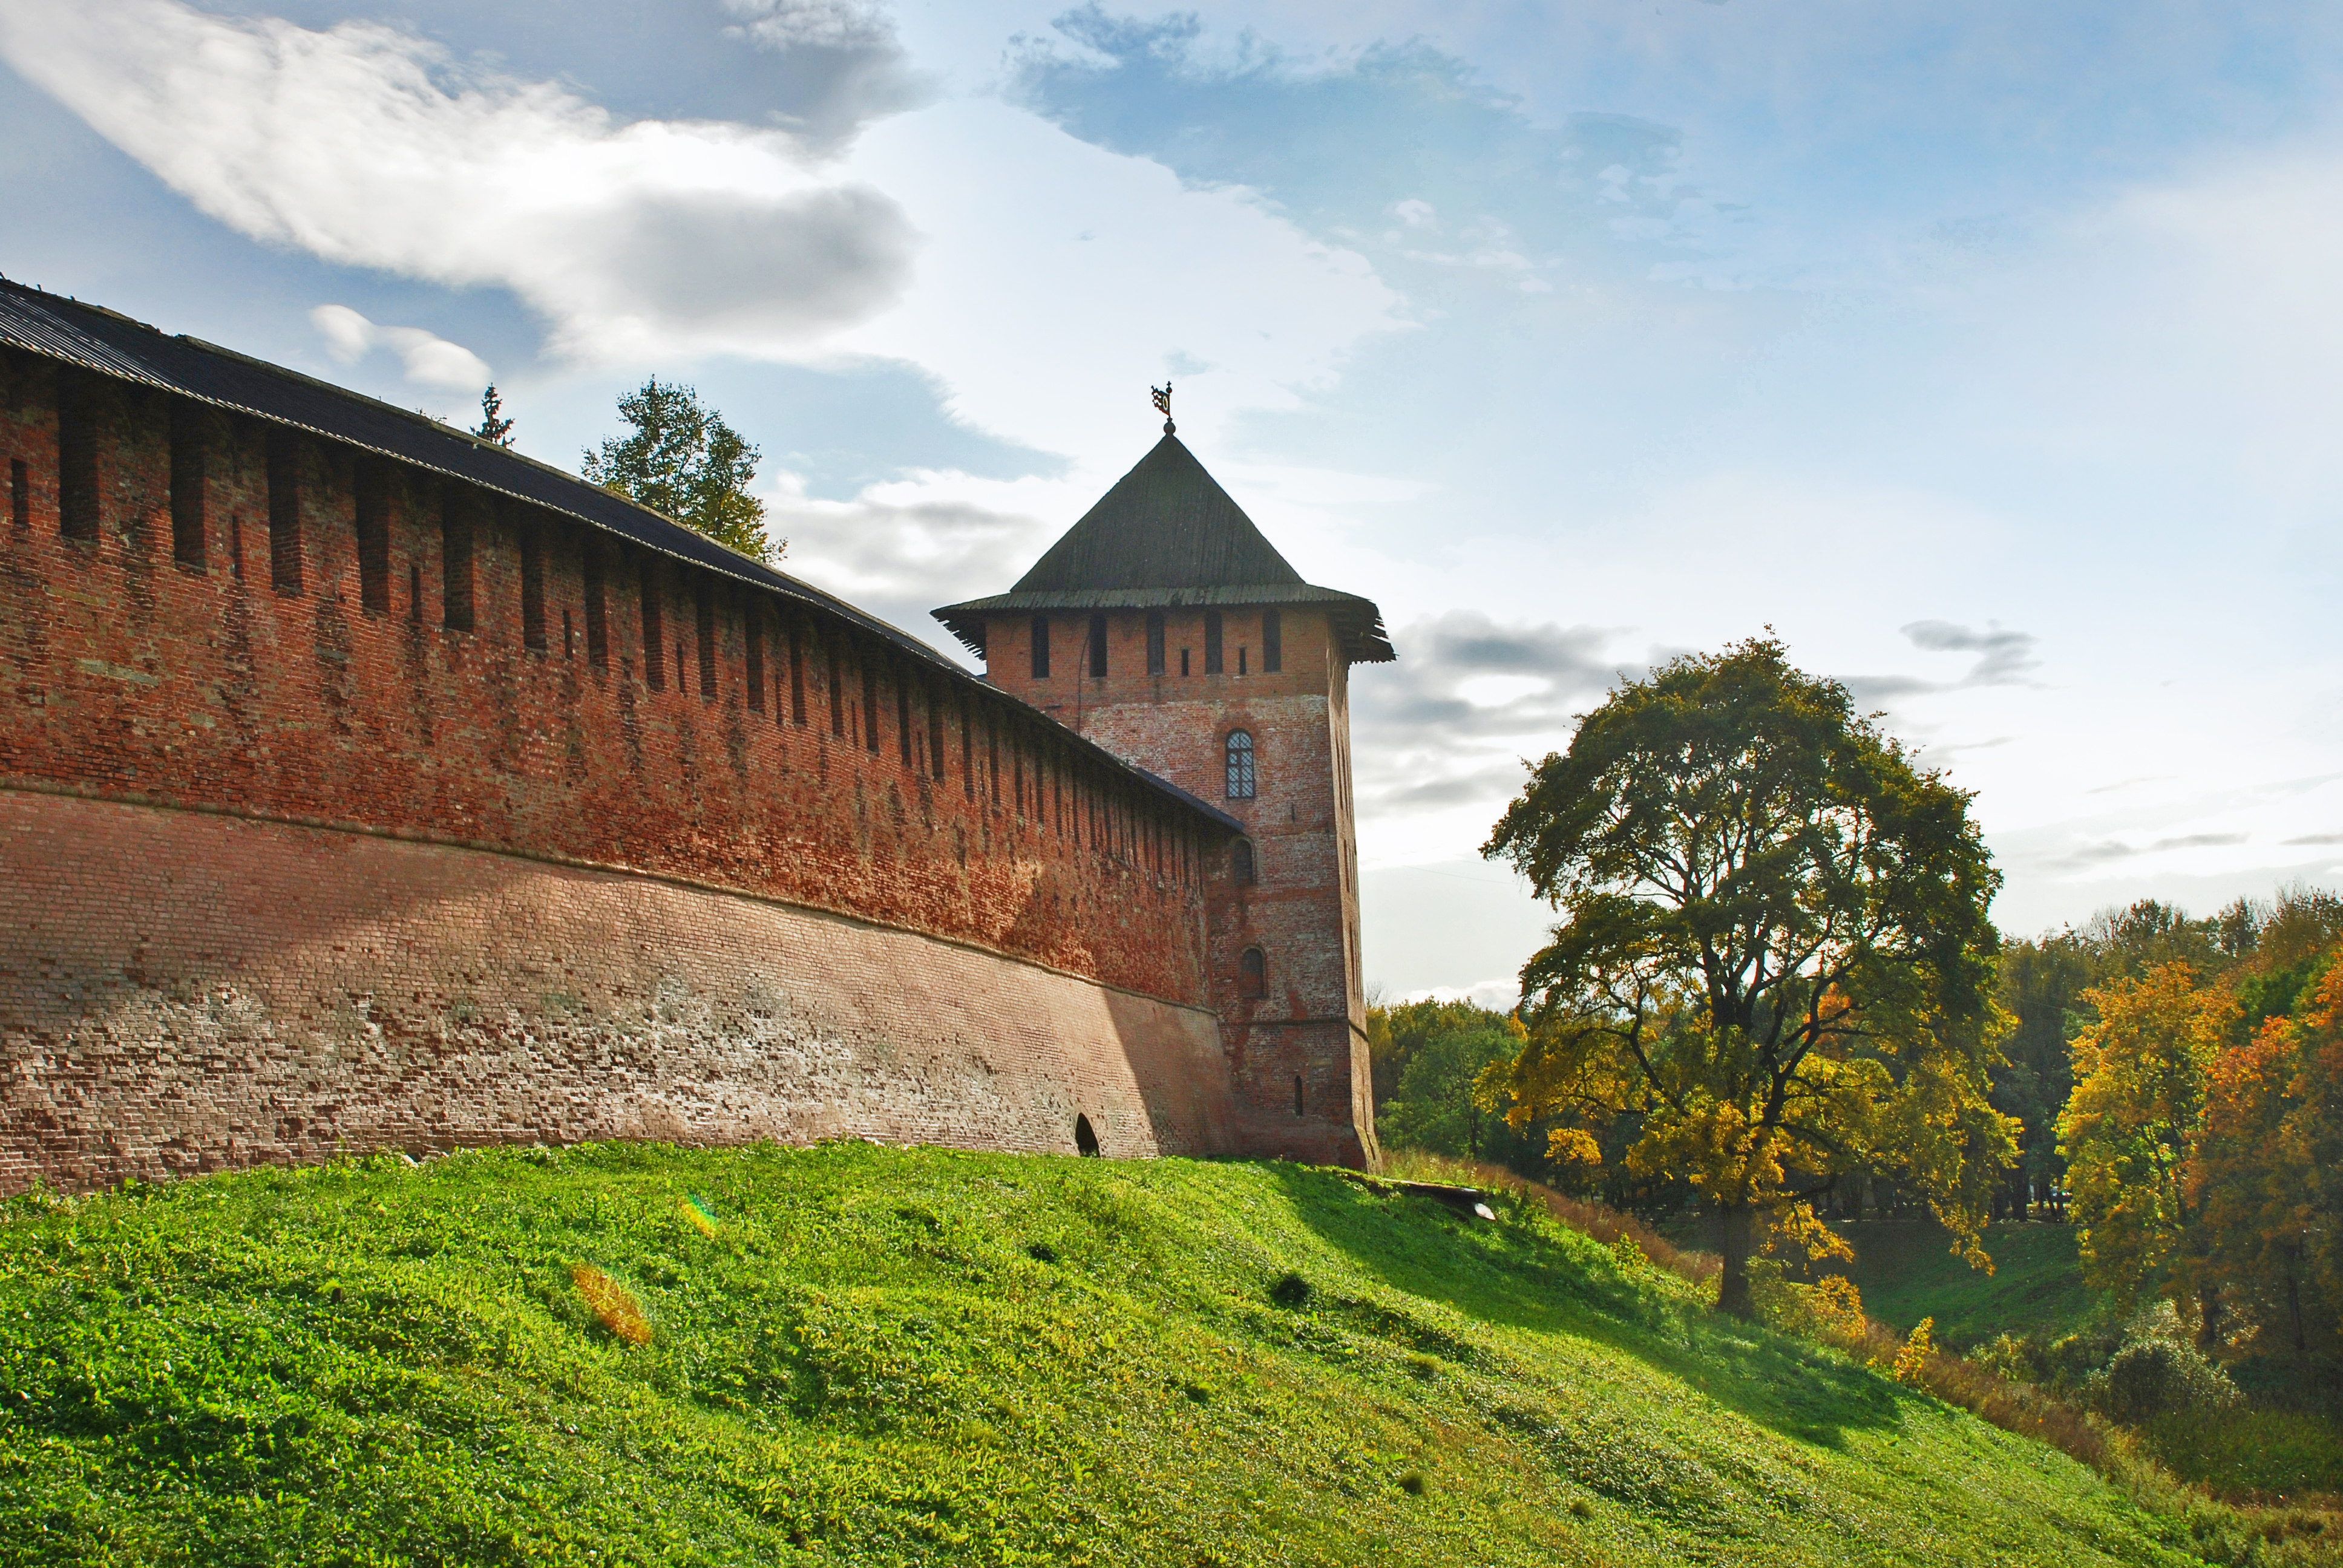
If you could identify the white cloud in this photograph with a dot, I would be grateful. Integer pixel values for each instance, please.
(425, 357)
(367, 146)
(347, 334)
(1058, 279)
(815, 23)
(1042, 279)
(1415, 213)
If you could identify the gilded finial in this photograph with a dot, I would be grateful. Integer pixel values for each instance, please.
(1163, 405)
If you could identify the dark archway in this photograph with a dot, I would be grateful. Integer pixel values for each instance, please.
(1086, 1140)
(1252, 974)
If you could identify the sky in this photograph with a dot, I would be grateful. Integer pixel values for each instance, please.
(1987, 354)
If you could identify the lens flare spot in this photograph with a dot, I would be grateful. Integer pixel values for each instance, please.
(618, 1310)
(696, 1210)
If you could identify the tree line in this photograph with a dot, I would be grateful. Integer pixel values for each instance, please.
(1773, 996)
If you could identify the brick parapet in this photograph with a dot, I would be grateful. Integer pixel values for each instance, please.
(352, 680)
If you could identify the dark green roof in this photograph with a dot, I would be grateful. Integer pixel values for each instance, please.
(1167, 534)
(1167, 524)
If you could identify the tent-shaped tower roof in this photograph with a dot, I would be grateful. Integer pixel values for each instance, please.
(1167, 534)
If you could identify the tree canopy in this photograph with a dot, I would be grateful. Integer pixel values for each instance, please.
(1774, 959)
(2140, 1074)
(684, 462)
(1438, 1104)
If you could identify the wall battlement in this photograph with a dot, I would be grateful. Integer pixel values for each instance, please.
(513, 681)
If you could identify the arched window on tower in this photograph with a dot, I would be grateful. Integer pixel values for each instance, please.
(1241, 779)
(1252, 974)
(1240, 867)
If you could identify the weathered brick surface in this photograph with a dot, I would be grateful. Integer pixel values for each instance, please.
(188, 992)
(1302, 910)
(125, 674)
(288, 680)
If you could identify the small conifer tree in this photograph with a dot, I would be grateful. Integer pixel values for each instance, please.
(494, 426)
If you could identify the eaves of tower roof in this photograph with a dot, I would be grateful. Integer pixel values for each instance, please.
(1167, 534)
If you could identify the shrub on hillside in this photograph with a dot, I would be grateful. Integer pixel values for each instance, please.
(2155, 1377)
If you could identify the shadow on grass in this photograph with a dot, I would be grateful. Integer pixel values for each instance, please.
(1510, 1275)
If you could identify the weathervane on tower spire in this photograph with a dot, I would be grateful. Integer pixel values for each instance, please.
(1164, 404)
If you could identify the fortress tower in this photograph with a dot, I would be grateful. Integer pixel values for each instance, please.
(1166, 628)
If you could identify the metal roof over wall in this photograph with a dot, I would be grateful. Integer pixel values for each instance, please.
(108, 344)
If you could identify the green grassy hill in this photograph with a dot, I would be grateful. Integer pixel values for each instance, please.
(871, 1355)
(1907, 1272)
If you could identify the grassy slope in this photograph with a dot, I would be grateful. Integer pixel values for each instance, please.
(1907, 1272)
(867, 1361)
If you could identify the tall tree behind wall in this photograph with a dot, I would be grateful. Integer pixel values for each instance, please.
(685, 462)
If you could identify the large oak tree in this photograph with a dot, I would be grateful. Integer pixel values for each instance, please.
(1773, 965)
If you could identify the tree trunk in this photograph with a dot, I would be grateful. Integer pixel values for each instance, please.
(1736, 1229)
(2293, 1301)
(2208, 1323)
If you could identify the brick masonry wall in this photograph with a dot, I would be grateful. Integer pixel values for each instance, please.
(272, 625)
(192, 992)
(126, 673)
(1302, 910)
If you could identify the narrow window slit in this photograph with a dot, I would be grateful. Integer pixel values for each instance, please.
(374, 539)
(653, 632)
(532, 587)
(935, 730)
(752, 636)
(704, 606)
(77, 487)
(285, 511)
(455, 560)
(797, 669)
(902, 711)
(871, 704)
(188, 466)
(837, 685)
(597, 622)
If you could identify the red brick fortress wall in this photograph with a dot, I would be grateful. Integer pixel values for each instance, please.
(1301, 912)
(190, 992)
(209, 614)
